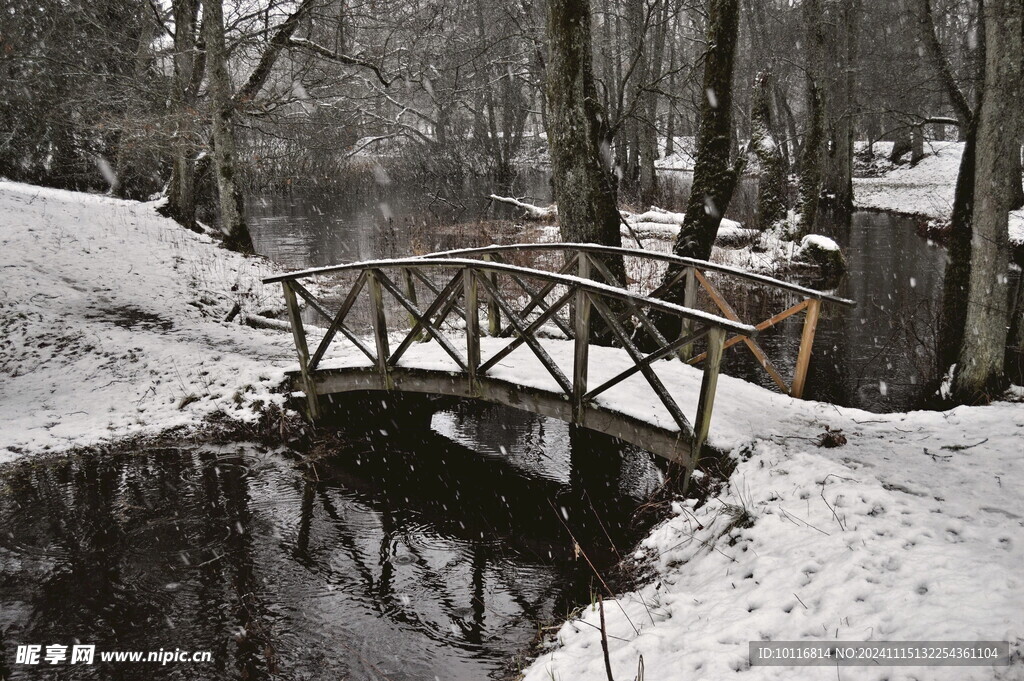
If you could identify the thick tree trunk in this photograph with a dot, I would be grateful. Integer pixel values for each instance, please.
(772, 190)
(837, 85)
(584, 187)
(232, 217)
(713, 178)
(980, 363)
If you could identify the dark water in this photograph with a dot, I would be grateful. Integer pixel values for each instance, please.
(876, 357)
(416, 556)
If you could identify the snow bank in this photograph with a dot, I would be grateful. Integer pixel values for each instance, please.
(911, 531)
(926, 189)
(111, 319)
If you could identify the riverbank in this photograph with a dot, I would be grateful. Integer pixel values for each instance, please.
(926, 189)
(911, 529)
(112, 319)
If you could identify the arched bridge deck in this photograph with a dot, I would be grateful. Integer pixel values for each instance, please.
(549, 328)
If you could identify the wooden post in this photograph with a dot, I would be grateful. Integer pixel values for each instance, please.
(706, 403)
(803, 359)
(410, 293)
(689, 300)
(472, 325)
(302, 349)
(380, 328)
(493, 311)
(581, 354)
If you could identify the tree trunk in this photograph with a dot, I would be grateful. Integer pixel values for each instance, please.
(958, 254)
(812, 158)
(979, 373)
(772, 190)
(232, 218)
(181, 199)
(837, 86)
(585, 189)
(713, 178)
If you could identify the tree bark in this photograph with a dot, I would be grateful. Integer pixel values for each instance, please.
(812, 158)
(181, 199)
(772, 190)
(714, 180)
(232, 217)
(584, 187)
(979, 373)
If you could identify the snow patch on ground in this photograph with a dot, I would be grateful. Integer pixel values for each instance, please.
(111, 320)
(911, 531)
(925, 189)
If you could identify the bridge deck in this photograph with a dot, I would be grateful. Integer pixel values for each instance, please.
(743, 411)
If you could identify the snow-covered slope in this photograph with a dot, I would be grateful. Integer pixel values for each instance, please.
(111, 323)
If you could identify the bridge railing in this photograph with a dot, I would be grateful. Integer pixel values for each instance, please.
(438, 295)
(690, 282)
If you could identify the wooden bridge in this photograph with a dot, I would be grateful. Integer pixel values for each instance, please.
(517, 325)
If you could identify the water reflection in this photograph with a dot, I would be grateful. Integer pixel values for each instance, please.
(403, 557)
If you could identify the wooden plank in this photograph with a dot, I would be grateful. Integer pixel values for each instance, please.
(443, 299)
(380, 326)
(670, 258)
(689, 300)
(421, 322)
(301, 349)
(663, 442)
(661, 353)
(639, 314)
(652, 377)
(410, 293)
(338, 324)
(766, 324)
(531, 341)
(436, 291)
(472, 325)
(752, 345)
(581, 343)
(562, 326)
(803, 358)
(706, 401)
(493, 311)
(544, 291)
(530, 331)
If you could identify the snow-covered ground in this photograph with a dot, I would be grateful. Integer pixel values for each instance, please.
(111, 324)
(926, 189)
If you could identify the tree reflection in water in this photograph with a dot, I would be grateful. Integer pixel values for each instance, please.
(399, 558)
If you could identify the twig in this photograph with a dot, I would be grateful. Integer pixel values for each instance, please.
(604, 640)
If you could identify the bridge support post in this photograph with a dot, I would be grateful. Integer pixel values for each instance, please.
(690, 301)
(803, 358)
(302, 349)
(493, 311)
(472, 326)
(581, 343)
(706, 403)
(380, 328)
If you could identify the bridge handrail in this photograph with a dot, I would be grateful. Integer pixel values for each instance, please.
(649, 255)
(588, 285)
